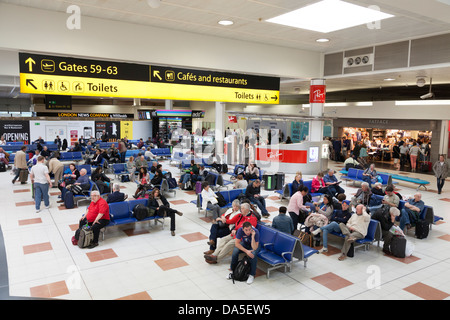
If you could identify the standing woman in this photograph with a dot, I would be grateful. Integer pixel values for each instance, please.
(413, 153)
(440, 169)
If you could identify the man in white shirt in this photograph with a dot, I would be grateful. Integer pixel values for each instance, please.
(356, 228)
(41, 182)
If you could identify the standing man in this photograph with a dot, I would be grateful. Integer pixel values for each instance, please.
(20, 162)
(440, 169)
(56, 167)
(41, 182)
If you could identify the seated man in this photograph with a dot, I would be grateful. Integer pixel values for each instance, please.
(362, 196)
(116, 195)
(283, 222)
(97, 216)
(387, 219)
(82, 181)
(253, 193)
(332, 183)
(390, 199)
(410, 213)
(355, 229)
(141, 163)
(247, 241)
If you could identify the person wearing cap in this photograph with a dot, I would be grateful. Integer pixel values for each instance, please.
(386, 219)
(96, 216)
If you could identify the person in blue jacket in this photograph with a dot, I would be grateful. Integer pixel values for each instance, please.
(338, 216)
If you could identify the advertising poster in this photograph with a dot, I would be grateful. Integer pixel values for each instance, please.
(15, 131)
(112, 128)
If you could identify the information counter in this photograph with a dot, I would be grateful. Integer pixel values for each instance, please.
(307, 157)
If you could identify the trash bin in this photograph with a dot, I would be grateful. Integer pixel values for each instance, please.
(279, 180)
(269, 181)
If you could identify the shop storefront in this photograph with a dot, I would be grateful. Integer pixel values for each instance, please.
(380, 135)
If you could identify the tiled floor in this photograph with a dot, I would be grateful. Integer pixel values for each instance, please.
(144, 262)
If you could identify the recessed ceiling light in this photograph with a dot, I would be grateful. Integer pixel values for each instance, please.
(322, 40)
(226, 22)
(328, 16)
(389, 79)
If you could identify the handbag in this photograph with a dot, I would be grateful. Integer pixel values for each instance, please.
(305, 238)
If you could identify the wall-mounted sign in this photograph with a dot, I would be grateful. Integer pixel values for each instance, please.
(317, 94)
(58, 102)
(85, 115)
(42, 74)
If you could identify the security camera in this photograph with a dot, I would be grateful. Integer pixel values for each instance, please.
(427, 96)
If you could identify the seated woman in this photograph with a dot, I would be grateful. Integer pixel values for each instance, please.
(326, 209)
(209, 200)
(4, 157)
(70, 175)
(318, 185)
(239, 182)
(144, 182)
(162, 208)
(338, 216)
(298, 181)
(131, 168)
(157, 178)
(252, 172)
(102, 181)
(221, 228)
(370, 175)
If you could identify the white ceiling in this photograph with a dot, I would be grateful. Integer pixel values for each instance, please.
(413, 19)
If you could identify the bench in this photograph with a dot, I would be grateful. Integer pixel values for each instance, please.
(279, 249)
(373, 234)
(287, 191)
(122, 213)
(229, 196)
(426, 214)
(354, 174)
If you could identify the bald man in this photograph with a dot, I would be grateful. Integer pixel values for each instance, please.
(411, 211)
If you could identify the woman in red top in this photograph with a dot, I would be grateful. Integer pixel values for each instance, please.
(318, 185)
(97, 216)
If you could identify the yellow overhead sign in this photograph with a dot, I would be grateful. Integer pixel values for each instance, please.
(80, 77)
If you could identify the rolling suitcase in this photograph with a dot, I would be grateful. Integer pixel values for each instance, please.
(23, 176)
(198, 187)
(422, 229)
(85, 237)
(69, 201)
(398, 246)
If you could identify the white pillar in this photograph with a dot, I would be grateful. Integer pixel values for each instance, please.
(316, 102)
(219, 126)
(169, 104)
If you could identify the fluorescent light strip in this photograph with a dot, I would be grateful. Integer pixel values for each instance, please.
(329, 15)
(423, 103)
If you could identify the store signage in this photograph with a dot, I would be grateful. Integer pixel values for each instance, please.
(232, 119)
(42, 74)
(283, 156)
(198, 114)
(317, 94)
(85, 115)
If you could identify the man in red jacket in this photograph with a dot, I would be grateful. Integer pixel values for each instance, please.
(226, 244)
(97, 216)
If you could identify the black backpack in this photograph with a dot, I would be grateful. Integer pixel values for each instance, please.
(221, 200)
(242, 270)
(140, 212)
